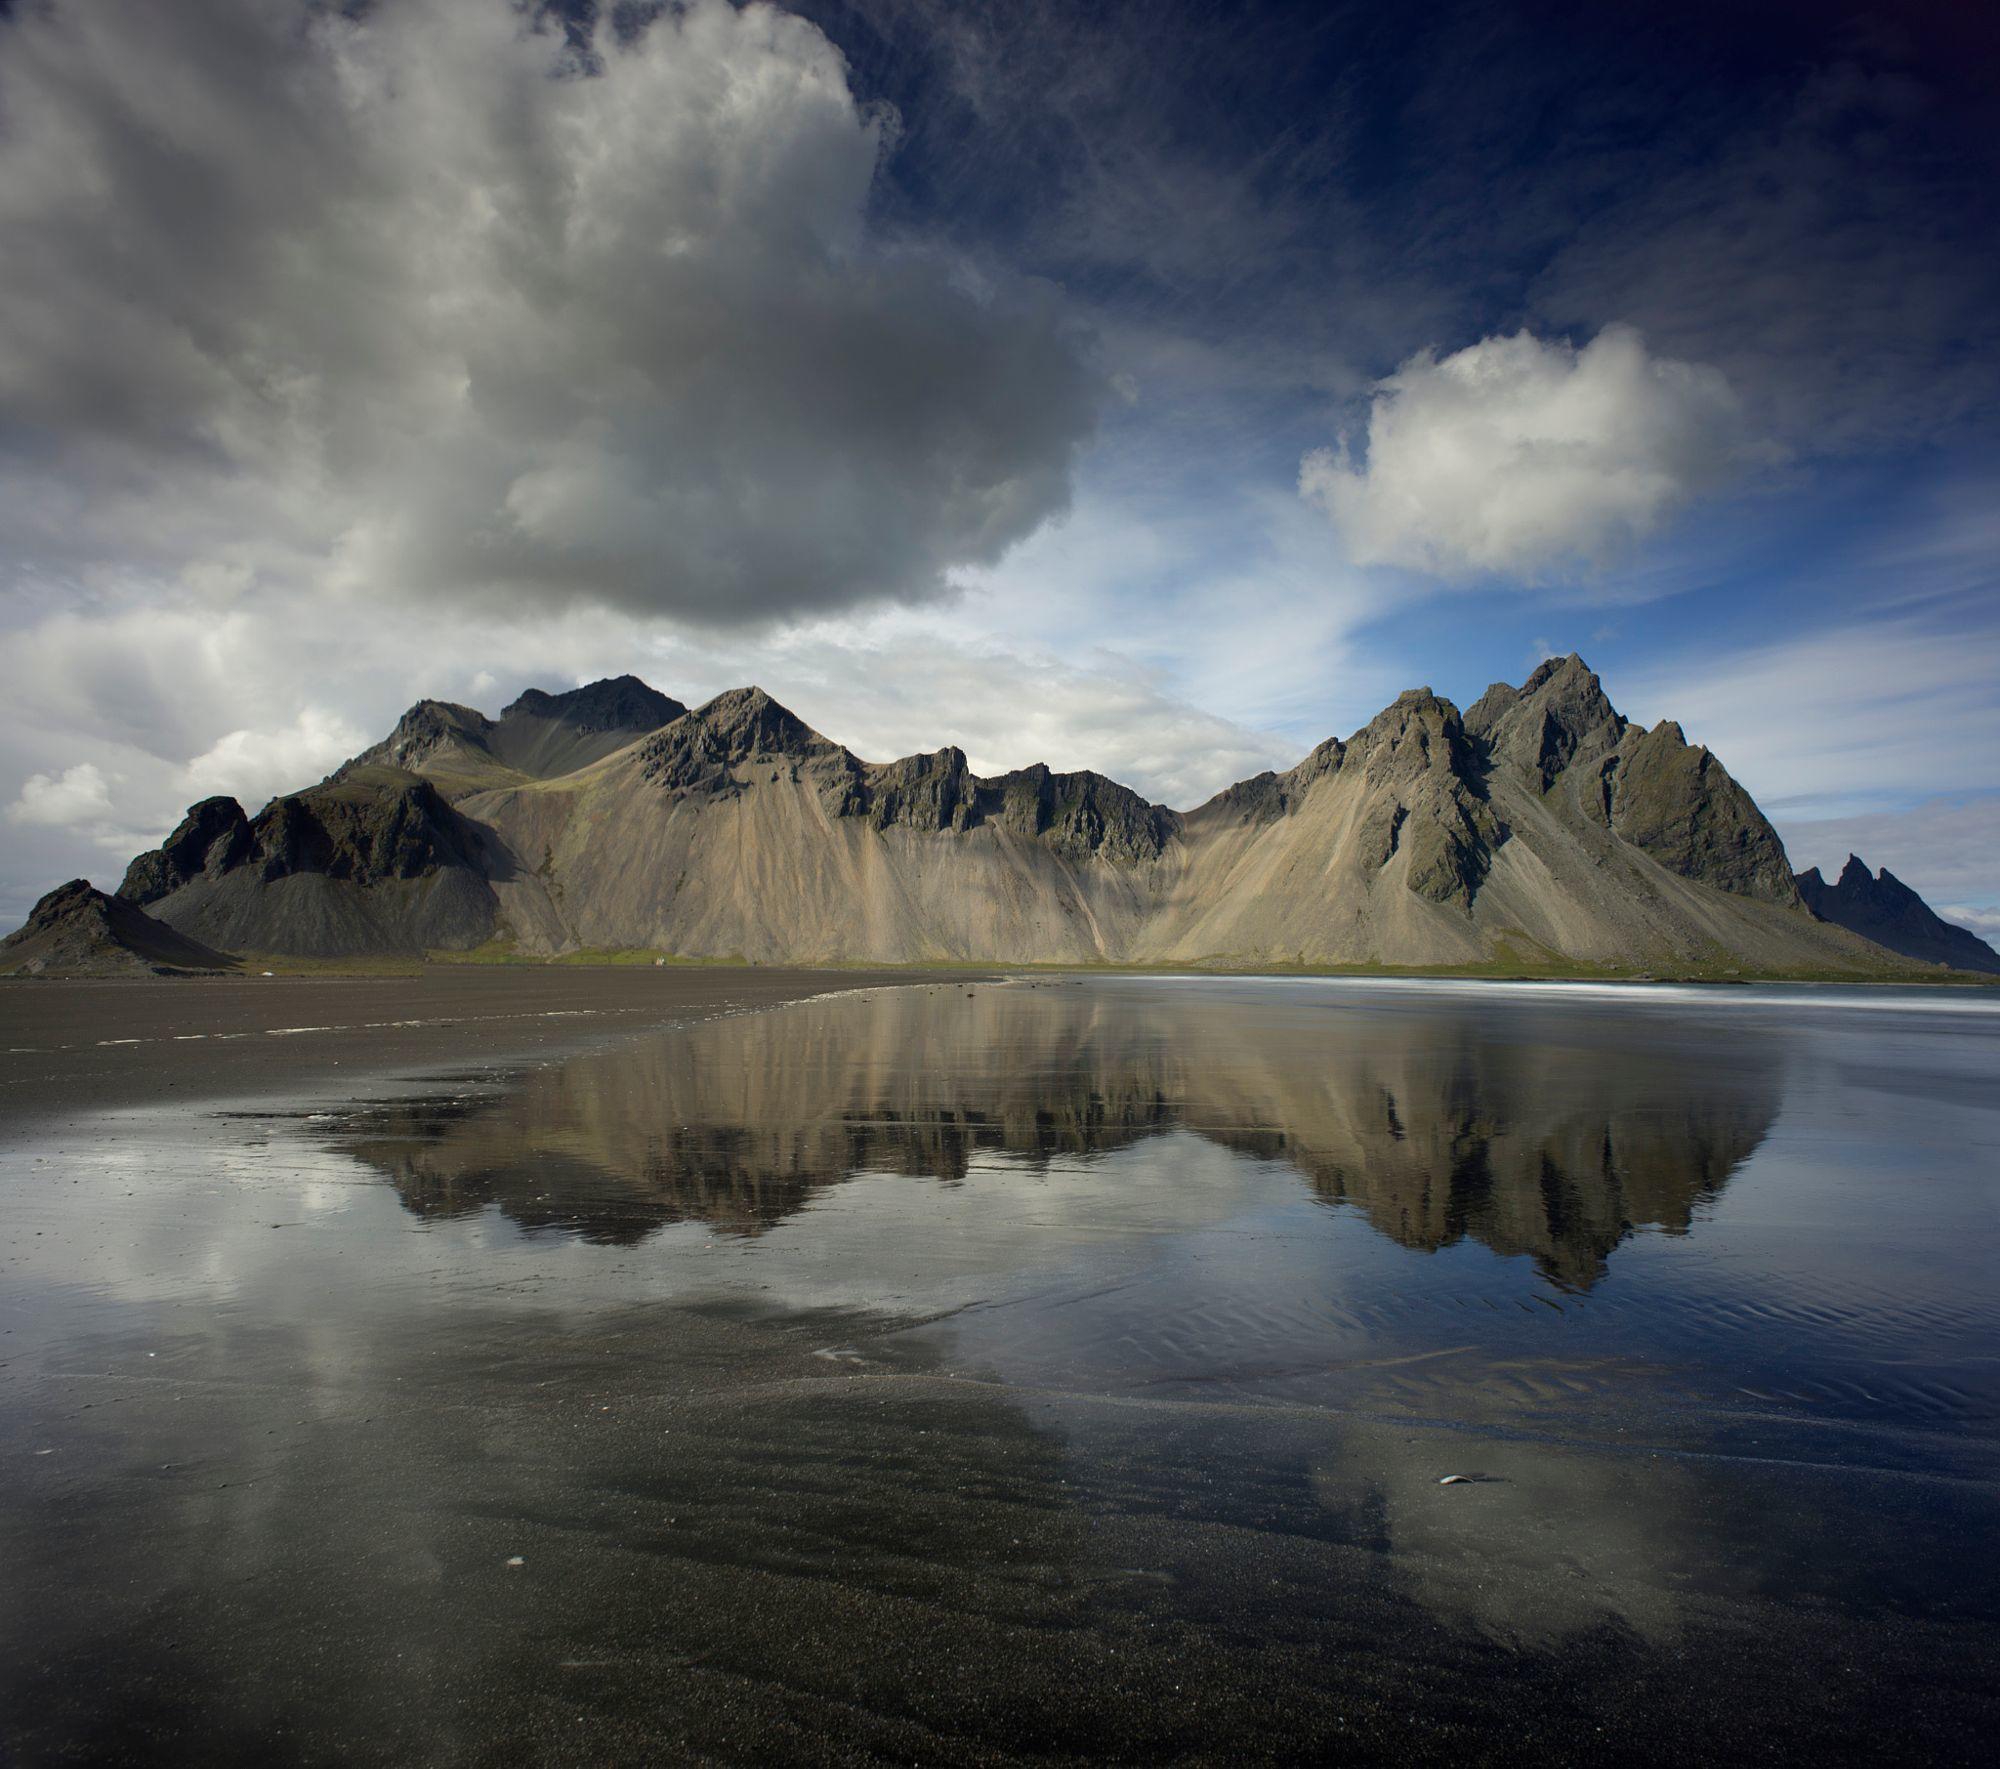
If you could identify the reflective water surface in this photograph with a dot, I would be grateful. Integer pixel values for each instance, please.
(1043, 1370)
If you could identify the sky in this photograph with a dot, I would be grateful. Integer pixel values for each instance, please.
(1152, 388)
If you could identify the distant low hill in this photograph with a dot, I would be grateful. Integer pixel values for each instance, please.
(1882, 908)
(1539, 829)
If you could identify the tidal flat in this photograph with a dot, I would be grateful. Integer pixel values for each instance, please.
(978, 1371)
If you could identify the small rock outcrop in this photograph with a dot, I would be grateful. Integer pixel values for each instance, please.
(213, 837)
(78, 930)
(1880, 907)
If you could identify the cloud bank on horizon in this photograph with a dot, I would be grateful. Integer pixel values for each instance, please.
(1123, 387)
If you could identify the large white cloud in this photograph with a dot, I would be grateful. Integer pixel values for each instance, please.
(1527, 457)
(419, 303)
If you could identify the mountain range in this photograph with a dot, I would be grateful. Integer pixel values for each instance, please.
(1538, 829)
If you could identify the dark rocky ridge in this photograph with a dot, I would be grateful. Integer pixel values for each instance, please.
(1880, 907)
(538, 737)
(364, 833)
(373, 861)
(546, 735)
(714, 751)
(212, 838)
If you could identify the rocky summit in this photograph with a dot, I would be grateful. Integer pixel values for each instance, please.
(1540, 829)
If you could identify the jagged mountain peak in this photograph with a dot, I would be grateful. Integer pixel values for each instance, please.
(544, 735)
(432, 717)
(702, 751)
(65, 900)
(1417, 732)
(213, 836)
(1569, 674)
(1559, 713)
(750, 722)
(434, 736)
(616, 702)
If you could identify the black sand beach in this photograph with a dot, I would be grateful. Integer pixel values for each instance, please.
(1019, 1372)
(75, 1046)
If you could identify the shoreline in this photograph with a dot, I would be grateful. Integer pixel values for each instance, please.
(385, 969)
(73, 1049)
(76, 1049)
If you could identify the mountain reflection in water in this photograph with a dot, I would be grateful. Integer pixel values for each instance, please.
(1550, 1137)
(1035, 1372)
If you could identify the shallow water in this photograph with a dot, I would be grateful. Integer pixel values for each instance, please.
(1038, 1370)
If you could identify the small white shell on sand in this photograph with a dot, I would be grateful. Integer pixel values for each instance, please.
(1456, 1480)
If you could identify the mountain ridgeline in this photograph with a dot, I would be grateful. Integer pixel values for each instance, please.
(1882, 908)
(1539, 829)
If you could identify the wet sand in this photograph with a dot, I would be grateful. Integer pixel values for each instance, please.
(73, 1048)
(1021, 1374)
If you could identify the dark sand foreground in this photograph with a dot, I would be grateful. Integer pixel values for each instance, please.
(74, 1047)
(453, 1371)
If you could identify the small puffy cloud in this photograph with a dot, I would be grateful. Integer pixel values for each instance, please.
(78, 795)
(421, 302)
(1526, 457)
(254, 766)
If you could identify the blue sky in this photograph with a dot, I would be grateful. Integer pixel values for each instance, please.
(1152, 388)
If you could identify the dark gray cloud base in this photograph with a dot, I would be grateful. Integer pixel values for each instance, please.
(421, 303)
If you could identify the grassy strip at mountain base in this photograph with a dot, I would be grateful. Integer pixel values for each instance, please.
(1507, 965)
(504, 951)
(1510, 963)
